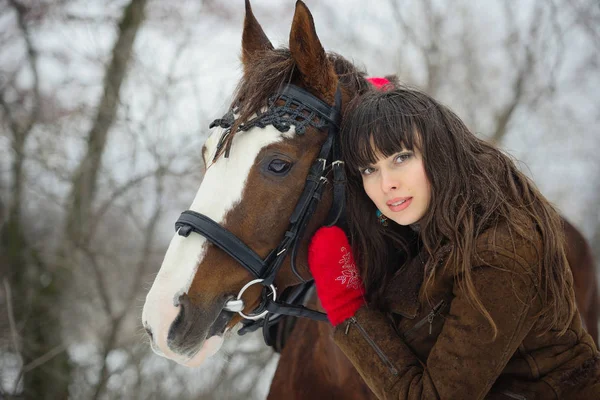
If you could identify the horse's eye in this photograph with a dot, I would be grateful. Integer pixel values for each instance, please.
(279, 167)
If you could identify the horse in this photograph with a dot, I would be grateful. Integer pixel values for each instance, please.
(263, 172)
(244, 241)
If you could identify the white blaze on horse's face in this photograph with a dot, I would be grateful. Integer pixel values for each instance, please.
(220, 190)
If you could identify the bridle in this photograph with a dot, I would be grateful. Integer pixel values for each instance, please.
(301, 109)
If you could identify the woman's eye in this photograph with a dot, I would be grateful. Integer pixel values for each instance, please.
(279, 166)
(400, 158)
(366, 171)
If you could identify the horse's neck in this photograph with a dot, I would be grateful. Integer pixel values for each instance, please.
(312, 366)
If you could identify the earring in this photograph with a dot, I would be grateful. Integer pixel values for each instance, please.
(382, 218)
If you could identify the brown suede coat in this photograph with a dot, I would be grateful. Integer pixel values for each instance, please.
(440, 347)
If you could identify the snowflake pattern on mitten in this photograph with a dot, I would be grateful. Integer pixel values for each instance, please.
(349, 276)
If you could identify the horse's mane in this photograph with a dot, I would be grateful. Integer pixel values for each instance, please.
(265, 74)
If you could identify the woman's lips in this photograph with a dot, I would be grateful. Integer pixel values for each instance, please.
(399, 203)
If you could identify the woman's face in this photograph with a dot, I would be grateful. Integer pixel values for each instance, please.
(398, 186)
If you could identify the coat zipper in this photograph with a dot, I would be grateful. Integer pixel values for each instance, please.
(513, 395)
(428, 319)
(380, 353)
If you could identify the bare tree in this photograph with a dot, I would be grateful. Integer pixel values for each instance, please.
(45, 364)
(45, 371)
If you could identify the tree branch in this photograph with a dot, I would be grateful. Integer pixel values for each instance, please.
(99, 281)
(32, 56)
(85, 180)
(589, 21)
(524, 72)
(133, 290)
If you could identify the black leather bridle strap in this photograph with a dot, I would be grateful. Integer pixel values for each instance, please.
(310, 197)
(191, 221)
(298, 220)
(313, 180)
(295, 311)
(324, 110)
(339, 173)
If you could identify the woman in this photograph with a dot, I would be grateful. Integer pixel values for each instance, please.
(466, 292)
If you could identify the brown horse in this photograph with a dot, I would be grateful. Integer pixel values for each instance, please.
(255, 178)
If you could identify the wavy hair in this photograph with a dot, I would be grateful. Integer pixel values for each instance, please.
(474, 187)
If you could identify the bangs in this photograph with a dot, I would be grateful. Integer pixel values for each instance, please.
(378, 124)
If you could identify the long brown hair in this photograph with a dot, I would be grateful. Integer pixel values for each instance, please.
(474, 187)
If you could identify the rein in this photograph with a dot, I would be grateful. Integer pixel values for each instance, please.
(300, 109)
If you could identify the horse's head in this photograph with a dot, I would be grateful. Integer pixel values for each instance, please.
(257, 162)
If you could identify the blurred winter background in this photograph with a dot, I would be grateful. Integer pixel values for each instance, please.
(105, 104)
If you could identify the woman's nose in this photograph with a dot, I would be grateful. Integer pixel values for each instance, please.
(389, 182)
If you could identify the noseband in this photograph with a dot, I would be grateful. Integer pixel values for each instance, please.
(300, 109)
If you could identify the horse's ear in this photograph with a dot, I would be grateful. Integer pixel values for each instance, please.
(306, 49)
(254, 39)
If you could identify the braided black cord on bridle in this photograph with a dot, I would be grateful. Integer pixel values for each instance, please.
(282, 117)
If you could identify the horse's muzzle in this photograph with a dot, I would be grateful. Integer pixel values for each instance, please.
(193, 325)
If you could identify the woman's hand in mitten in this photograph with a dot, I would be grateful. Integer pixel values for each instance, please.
(338, 283)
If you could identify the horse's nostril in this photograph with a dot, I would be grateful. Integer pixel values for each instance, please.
(178, 324)
(179, 299)
(149, 332)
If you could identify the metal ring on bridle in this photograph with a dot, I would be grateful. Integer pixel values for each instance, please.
(243, 289)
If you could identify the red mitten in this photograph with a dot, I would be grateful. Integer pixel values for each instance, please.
(331, 263)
